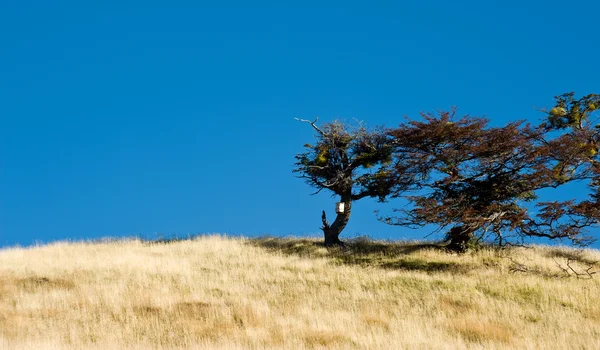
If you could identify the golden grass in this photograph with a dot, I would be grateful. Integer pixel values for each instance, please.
(217, 292)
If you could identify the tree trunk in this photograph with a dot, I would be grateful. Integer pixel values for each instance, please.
(459, 237)
(332, 232)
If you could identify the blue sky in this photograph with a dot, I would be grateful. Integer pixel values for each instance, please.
(149, 118)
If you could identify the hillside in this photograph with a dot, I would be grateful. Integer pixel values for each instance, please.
(217, 292)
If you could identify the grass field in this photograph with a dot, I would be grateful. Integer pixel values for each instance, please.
(218, 292)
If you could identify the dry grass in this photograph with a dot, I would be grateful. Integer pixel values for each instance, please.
(216, 292)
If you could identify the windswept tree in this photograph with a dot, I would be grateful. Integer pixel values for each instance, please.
(351, 164)
(471, 178)
(475, 181)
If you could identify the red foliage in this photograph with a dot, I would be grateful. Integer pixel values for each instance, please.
(481, 180)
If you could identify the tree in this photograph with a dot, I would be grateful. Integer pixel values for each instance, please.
(471, 176)
(352, 163)
(476, 180)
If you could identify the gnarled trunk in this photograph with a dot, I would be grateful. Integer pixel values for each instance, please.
(459, 237)
(332, 232)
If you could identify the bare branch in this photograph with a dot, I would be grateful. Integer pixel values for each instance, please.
(317, 191)
(569, 270)
(517, 266)
(313, 124)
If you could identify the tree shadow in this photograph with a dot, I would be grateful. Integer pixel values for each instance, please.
(365, 252)
(166, 240)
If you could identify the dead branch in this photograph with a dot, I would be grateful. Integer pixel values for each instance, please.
(523, 268)
(517, 266)
(583, 272)
(313, 124)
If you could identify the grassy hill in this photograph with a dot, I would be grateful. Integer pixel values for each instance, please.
(217, 292)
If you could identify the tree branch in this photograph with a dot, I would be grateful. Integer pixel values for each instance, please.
(313, 124)
(362, 195)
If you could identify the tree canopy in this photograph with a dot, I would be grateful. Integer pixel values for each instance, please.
(351, 163)
(471, 179)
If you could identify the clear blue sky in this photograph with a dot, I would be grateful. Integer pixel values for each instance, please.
(123, 118)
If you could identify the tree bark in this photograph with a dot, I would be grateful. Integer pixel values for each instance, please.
(332, 232)
(459, 237)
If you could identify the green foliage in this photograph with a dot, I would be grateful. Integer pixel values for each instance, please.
(570, 112)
